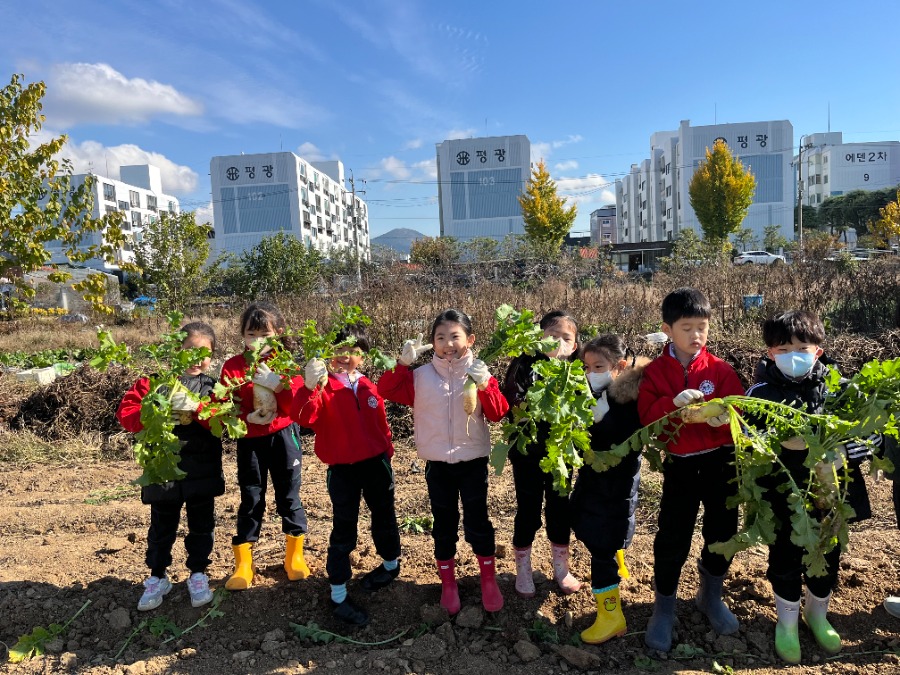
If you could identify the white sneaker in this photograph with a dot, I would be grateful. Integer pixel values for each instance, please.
(154, 590)
(892, 605)
(198, 588)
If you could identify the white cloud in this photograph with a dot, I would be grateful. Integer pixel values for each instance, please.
(568, 165)
(204, 214)
(414, 144)
(455, 134)
(542, 150)
(572, 138)
(428, 167)
(310, 152)
(245, 100)
(395, 168)
(105, 161)
(96, 93)
(590, 189)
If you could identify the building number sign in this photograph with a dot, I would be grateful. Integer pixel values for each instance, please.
(866, 157)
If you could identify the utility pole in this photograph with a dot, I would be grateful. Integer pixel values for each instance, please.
(356, 226)
(800, 196)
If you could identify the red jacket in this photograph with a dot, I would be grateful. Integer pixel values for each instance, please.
(349, 427)
(236, 367)
(665, 378)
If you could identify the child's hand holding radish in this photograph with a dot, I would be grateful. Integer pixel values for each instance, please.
(479, 373)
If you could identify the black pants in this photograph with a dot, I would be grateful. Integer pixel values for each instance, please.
(533, 487)
(372, 480)
(448, 484)
(603, 505)
(687, 483)
(164, 519)
(280, 456)
(786, 571)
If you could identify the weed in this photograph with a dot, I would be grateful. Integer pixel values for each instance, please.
(97, 497)
(543, 632)
(416, 524)
(35, 643)
(311, 631)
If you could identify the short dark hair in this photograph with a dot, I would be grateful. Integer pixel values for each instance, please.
(201, 329)
(610, 346)
(263, 315)
(796, 323)
(357, 331)
(685, 303)
(452, 316)
(550, 319)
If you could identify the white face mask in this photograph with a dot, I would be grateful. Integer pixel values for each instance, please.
(599, 381)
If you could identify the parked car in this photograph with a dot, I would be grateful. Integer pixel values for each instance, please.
(759, 258)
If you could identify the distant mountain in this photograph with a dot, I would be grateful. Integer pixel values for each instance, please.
(400, 239)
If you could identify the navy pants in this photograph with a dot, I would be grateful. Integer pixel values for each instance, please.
(534, 487)
(448, 484)
(688, 482)
(164, 519)
(278, 455)
(372, 480)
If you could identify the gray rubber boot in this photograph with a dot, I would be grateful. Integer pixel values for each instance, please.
(659, 628)
(709, 601)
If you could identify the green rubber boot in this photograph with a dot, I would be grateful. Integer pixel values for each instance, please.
(815, 616)
(787, 636)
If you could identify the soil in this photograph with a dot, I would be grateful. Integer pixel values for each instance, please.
(69, 534)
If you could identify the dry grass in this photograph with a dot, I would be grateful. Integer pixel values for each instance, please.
(26, 447)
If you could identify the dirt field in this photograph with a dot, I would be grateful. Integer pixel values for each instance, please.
(69, 534)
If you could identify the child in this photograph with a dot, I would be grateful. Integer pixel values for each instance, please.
(455, 445)
(353, 439)
(271, 447)
(792, 373)
(201, 460)
(533, 485)
(699, 468)
(603, 503)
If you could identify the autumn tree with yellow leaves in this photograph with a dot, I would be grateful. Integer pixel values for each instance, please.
(887, 227)
(547, 220)
(721, 191)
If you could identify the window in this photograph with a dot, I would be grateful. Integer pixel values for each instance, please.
(668, 213)
(304, 196)
(109, 193)
(818, 179)
(123, 206)
(136, 218)
(825, 179)
(669, 191)
(135, 198)
(151, 203)
(172, 207)
(668, 166)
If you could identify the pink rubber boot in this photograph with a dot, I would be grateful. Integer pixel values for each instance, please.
(567, 583)
(490, 592)
(449, 589)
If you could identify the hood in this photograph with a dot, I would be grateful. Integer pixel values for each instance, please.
(624, 388)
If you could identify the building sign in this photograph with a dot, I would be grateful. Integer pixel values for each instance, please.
(259, 169)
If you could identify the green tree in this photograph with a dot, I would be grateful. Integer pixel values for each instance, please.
(887, 227)
(547, 220)
(481, 249)
(772, 238)
(277, 265)
(434, 252)
(172, 255)
(744, 238)
(721, 192)
(38, 204)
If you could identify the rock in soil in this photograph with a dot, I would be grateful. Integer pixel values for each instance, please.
(577, 657)
(527, 651)
(470, 617)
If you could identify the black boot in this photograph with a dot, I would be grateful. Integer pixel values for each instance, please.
(379, 578)
(349, 612)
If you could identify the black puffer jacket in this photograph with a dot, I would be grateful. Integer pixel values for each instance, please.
(808, 394)
(603, 503)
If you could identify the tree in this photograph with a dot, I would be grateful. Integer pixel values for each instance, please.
(773, 239)
(721, 192)
(277, 265)
(887, 227)
(481, 249)
(38, 204)
(434, 252)
(744, 238)
(547, 220)
(172, 255)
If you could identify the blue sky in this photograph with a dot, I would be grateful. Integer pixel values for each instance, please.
(377, 84)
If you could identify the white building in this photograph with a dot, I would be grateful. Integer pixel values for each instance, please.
(479, 183)
(603, 226)
(831, 167)
(138, 195)
(653, 203)
(256, 196)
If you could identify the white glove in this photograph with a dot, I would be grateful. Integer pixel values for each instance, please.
(687, 397)
(315, 371)
(600, 408)
(657, 338)
(479, 373)
(183, 401)
(412, 349)
(719, 420)
(264, 377)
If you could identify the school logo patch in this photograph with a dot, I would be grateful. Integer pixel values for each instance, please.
(373, 402)
(609, 604)
(707, 387)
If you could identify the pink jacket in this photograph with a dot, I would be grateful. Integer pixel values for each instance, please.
(443, 431)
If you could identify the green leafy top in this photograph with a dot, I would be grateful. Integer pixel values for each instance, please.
(516, 333)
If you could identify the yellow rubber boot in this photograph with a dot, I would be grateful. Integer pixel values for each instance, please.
(294, 563)
(243, 568)
(620, 560)
(610, 621)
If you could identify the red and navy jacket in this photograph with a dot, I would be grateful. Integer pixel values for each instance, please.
(349, 427)
(236, 367)
(665, 378)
